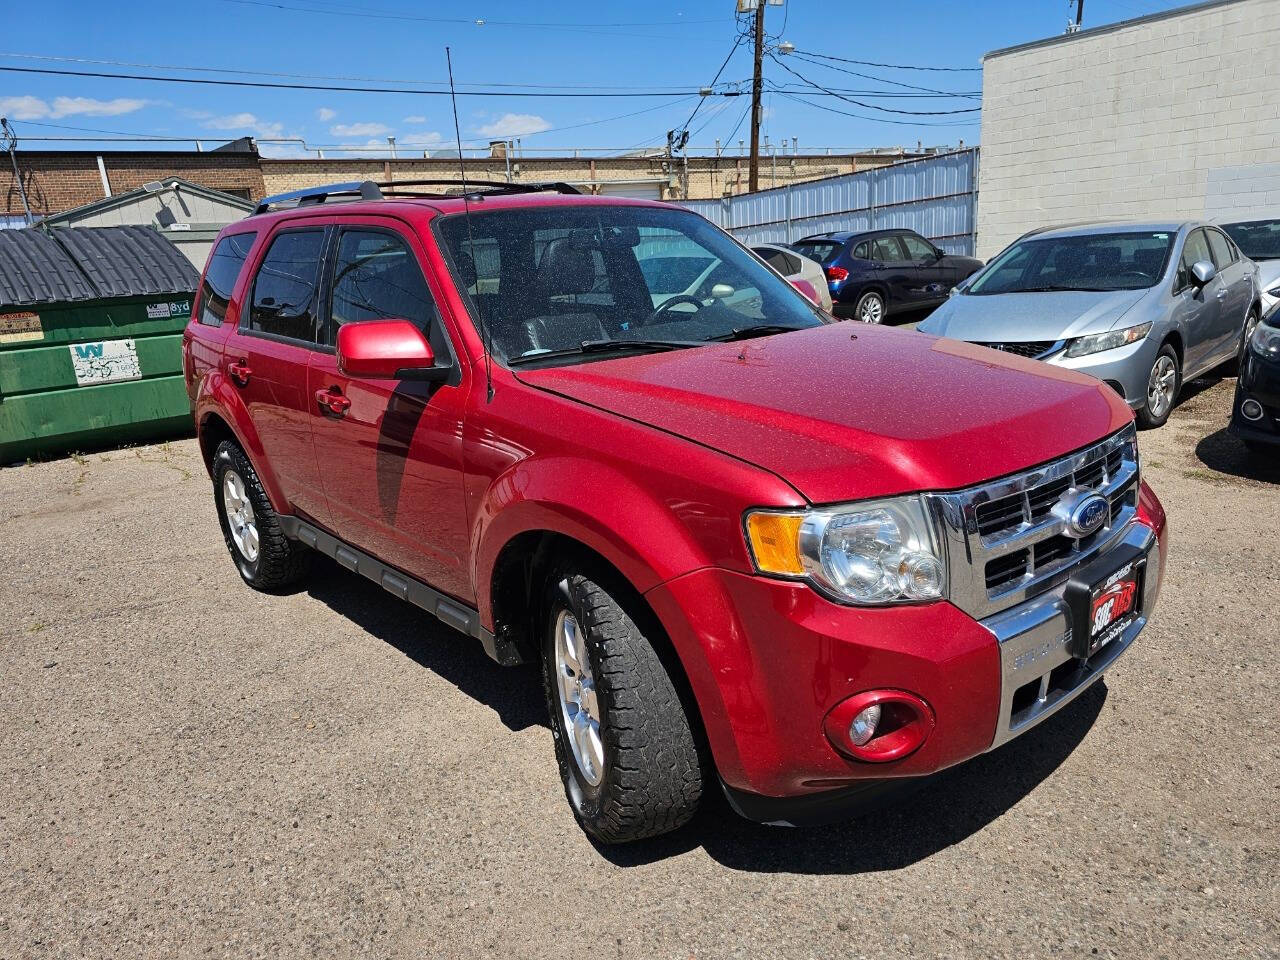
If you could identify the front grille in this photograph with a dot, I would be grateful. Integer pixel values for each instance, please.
(1026, 348)
(1005, 543)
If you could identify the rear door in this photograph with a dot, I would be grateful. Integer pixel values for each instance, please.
(891, 268)
(392, 460)
(1200, 308)
(1236, 293)
(268, 355)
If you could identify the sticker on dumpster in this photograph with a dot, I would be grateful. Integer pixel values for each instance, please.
(109, 361)
(20, 327)
(174, 308)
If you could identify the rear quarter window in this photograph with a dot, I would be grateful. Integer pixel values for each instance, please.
(220, 276)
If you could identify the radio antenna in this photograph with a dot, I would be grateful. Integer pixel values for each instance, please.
(486, 339)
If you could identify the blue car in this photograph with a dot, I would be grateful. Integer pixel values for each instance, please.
(881, 272)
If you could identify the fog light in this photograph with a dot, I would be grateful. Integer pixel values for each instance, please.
(864, 725)
(879, 725)
(1251, 409)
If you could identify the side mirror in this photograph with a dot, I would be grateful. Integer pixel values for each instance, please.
(1202, 271)
(387, 350)
(722, 291)
(938, 254)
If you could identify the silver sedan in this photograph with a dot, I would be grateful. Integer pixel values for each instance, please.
(1144, 307)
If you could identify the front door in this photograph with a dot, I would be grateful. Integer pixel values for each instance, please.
(1237, 294)
(1200, 308)
(932, 278)
(391, 450)
(267, 358)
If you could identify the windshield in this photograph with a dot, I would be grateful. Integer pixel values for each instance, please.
(1257, 239)
(1096, 261)
(566, 281)
(824, 251)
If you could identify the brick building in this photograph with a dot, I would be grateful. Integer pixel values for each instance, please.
(1169, 116)
(60, 180)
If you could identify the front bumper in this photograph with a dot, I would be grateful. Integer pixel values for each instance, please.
(1126, 369)
(768, 659)
(1259, 380)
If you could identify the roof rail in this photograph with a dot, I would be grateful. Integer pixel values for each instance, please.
(368, 190)
(365, 190)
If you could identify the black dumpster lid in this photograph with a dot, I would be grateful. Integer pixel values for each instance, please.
(35, 269)
(89, 263)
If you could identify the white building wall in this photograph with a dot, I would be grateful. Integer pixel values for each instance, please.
(1169, 117)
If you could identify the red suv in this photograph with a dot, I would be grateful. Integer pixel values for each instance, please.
(747, 544)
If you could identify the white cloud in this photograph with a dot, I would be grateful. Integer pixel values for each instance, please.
(23, 108)
(326, 114)
(428, 138)
(359, 130)
(89, 107)
(33, 108)
(246, 123)
(514, 125)
(415, 119)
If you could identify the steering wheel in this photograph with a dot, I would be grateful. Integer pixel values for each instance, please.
(667, 304)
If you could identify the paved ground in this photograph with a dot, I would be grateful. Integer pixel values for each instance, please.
(188, 768)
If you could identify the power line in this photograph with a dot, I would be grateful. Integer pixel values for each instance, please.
(737, 41)
(896, 83)
(338, 10)
(332, 88)
(870, 106)
(301, 76)
(892, 66)
(798, 98)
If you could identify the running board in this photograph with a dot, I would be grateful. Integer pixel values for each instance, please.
(445, 609)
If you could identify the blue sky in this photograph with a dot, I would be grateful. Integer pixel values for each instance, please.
(667, 46)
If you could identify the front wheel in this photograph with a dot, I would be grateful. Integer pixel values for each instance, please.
(870, 308)
(623, 739)
(1163, 383)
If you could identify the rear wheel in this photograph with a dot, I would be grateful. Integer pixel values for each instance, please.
(870, 308)
(1250, 324)
(1163, 384)
(623, 739)
(265, 557)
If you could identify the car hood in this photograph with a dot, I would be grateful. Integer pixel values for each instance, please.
(847, 411)
(1052, 315)
(1268, 273)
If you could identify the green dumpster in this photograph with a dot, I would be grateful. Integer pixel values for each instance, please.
(91, 323)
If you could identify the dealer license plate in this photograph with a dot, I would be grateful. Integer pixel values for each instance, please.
(1105, 598)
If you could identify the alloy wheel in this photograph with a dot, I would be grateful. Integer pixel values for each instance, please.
(579, 704)
(240, 518)
(1162, 385)
(872, 310)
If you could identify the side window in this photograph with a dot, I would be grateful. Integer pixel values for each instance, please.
(284, 291)
(777, 259)
(862, 251)
(225, 264)
(1221, 247)
(377, 277)
(917, 249)
(886, 249)
(1196, 248)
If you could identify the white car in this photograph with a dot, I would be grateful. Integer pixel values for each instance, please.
(802, 273)
(1259, 240)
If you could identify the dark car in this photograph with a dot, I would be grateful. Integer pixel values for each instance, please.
(880, 272)
(1255, 415)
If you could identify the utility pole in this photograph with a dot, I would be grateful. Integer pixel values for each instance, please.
(757, 89)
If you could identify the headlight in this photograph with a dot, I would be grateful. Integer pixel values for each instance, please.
(1096, 343)
(877, 552)
(1265, 340)
(1274, 291)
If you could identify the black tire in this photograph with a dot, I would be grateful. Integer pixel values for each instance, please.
(651, 778)
(280, 562)
(1148, 420)
(1250, 324)
(872, 302)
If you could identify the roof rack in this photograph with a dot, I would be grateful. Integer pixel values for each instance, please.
(368, 190)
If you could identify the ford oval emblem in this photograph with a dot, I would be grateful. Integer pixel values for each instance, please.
(1088, 514)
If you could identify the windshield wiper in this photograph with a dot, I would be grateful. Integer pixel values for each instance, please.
(605, 346)
(1059, 287)
(756, 330)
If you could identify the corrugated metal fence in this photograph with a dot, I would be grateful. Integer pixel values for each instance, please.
(935, 196)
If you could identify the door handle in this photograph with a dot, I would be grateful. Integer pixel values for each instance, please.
(333, 401)
(239, 372)
(1222, 293)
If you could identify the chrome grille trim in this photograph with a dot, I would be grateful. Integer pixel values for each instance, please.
(968, 551)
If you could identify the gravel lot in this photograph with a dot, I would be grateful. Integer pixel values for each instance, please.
(190, 768)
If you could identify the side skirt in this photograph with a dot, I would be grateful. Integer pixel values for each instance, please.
(445, 609)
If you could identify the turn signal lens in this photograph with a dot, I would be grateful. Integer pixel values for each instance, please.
(775, 544)
(864, 725)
